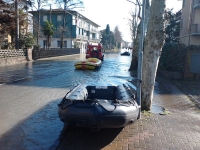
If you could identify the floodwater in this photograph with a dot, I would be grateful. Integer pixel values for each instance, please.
(30, 92)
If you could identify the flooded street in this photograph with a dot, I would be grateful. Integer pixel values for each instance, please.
(31, 91)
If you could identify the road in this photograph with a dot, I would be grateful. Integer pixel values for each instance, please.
(30, 92)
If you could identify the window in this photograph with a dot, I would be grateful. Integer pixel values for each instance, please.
(45, 18)
(74, 20)
(59, 44)
(79, 32)
(65, 44)
(93, 35)
(82, 32)
(59, 18)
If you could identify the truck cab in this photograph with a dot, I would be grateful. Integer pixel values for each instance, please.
(95, 51)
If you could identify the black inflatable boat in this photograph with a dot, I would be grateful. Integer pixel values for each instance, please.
(99, 106)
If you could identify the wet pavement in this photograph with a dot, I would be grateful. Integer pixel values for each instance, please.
(29, 119)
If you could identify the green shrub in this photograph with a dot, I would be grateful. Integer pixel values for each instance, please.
(173, 57)
(26, 41)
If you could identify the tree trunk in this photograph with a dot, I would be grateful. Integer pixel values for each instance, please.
(134, 61)
(152, 50)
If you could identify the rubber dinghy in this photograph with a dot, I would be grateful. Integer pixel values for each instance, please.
(90, 63)
(99, 106)
(125, 54)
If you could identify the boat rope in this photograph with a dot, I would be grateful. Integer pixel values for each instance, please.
(131, 94)
(126, 103)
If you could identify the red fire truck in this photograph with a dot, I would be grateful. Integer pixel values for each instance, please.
(95, 51)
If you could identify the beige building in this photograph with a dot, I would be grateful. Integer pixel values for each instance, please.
(190, 22)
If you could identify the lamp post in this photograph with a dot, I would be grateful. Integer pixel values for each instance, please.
(140, 54)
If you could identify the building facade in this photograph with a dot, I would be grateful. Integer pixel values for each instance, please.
(75, 29)
(190, 22)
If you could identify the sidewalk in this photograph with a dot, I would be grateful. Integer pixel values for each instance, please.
(176, 128)
(191, 89)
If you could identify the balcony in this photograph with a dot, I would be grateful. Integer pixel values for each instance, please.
(95, 40)
(81, 37)
(196, 4)
(195, 30)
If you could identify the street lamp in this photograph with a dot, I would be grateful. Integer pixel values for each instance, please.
(140, 54)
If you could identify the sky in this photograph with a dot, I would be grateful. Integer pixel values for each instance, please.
(116, 13)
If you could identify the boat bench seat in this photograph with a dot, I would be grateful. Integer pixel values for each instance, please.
(107, 92)
(101, 92)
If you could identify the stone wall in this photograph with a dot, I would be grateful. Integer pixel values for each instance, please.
(11, 57)
(12, 60)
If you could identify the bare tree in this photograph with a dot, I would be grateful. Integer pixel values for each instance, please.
(152, 50)
(138, 33)
(67, 5)
(38, 5)
(133, 23)
(118, 37)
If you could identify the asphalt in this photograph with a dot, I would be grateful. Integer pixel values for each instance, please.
(176, 127)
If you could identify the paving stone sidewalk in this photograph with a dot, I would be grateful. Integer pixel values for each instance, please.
(177, 127)
(191, 89)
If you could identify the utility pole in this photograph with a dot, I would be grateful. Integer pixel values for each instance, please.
(140, 55)
(17, 25)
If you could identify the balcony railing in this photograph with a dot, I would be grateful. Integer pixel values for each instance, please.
(195, 30)
(81, 37)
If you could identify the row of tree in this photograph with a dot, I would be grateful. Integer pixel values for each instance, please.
(111, 39)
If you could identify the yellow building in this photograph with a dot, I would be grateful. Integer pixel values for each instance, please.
(190, 22)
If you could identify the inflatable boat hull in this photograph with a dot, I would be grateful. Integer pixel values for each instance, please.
(98, 107)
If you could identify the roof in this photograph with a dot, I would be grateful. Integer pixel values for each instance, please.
(72, 12)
